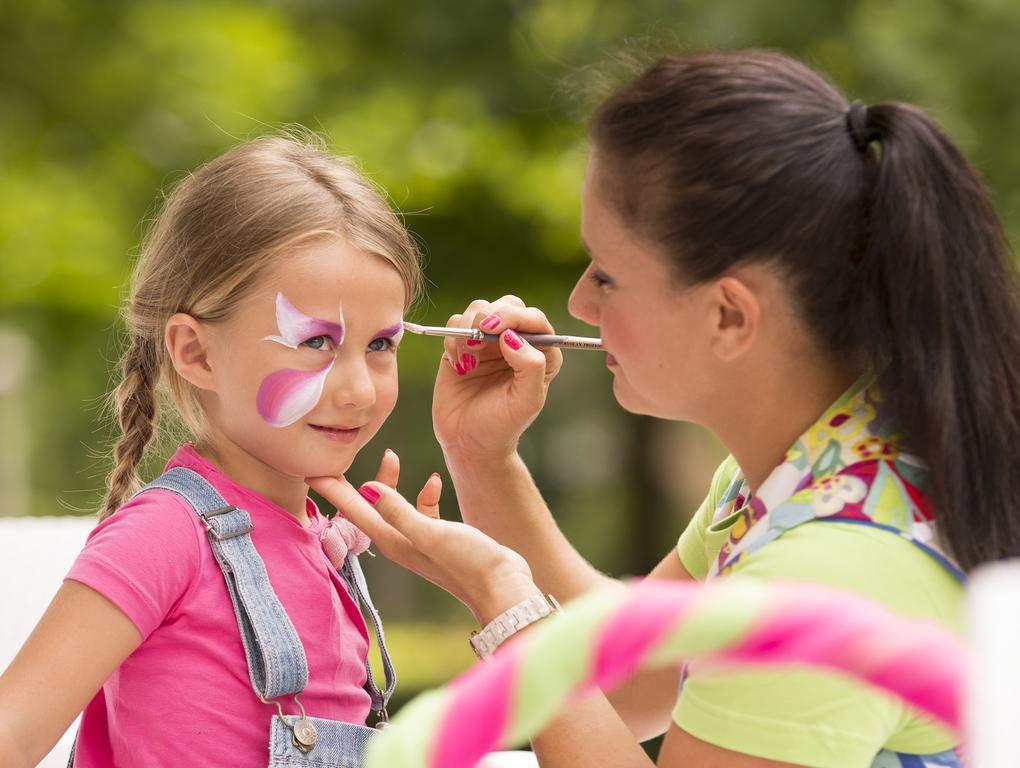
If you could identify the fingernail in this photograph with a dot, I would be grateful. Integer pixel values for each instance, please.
(459, 369)
(387, 451)
(370, 494)
(436, 474)
(490, 323)
(512, 340)
(468, 361)
(472, 343)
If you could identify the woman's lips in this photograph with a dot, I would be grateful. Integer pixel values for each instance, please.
(337, 434)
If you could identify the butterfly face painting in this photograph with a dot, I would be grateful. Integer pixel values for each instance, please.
(286, 395)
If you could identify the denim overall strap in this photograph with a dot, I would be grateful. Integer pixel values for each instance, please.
(276, 657)
(354, 577)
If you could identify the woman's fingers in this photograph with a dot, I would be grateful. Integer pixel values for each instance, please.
(520, 318)
(451, 348)
(507, 312)
(394, 510)
(428, 497)
(528, 363)
(458, 352)
(389, 469)
(348, 501)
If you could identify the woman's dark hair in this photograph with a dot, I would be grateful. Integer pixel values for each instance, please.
(886, 235)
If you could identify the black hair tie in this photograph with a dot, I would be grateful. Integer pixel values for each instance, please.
(857, 125)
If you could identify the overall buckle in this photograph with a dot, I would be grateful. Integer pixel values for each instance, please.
(216, 534)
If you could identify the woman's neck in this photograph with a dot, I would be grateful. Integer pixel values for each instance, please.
(772, 411)
(243, 468)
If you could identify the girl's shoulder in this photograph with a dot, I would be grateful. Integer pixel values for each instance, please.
(156, 511)
(146, 558)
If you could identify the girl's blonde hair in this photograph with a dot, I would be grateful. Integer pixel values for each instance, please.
(218, 231)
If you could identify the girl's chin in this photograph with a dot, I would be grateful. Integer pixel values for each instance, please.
(319, 463)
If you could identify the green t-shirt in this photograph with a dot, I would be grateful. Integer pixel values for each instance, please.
(815, 717)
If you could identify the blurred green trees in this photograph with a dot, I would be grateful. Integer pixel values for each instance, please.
(471, 116)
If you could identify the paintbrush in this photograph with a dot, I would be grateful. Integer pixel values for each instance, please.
(536, 339)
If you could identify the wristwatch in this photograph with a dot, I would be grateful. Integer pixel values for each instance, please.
(512, 620)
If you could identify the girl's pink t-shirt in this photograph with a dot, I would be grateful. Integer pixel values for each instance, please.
(184, 697)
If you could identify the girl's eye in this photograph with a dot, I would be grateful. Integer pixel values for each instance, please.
(599, 278)
(317, 342)
(382, 345)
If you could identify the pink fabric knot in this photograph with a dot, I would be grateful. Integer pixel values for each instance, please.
(339, 537)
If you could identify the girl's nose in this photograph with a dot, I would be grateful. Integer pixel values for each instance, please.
(350, 384)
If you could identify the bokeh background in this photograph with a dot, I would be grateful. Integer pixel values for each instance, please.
(471, 116)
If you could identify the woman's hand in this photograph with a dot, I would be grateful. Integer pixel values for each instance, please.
(487, 394)
(484, 575)
(428, 496)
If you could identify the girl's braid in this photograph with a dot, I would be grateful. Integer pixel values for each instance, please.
(135, 401)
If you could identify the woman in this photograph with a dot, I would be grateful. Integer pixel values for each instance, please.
(825, 287)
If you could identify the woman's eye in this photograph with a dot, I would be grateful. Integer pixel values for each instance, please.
(598, 278)
(317, 342)
(381, 345)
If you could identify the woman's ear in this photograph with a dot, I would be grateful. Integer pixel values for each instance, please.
(187, 344)
(736, 313)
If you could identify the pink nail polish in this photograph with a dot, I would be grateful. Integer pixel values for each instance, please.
(459, 369)
(490, 323)
(370, 494)
(472, 343)
(468, 361)
(512, 340)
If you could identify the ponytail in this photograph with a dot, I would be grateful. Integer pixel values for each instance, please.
(135, 403)
(941, 294)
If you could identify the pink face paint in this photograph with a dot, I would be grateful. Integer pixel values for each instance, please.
(393, 332)
(285, 396)
(296, 327)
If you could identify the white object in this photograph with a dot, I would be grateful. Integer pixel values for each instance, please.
(508, 760)
(511, 621)
(35, 555)
(993, 693)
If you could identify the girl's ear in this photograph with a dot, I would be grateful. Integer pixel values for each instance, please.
(187, 344)
(736, 317)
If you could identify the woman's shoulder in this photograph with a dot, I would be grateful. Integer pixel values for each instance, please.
(813, 717)
(867, 560)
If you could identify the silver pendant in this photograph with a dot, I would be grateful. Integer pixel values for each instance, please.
(305, 735)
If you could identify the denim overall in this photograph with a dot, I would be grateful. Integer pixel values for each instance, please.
(275, 655)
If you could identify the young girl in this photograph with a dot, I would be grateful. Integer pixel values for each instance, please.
(267, 303)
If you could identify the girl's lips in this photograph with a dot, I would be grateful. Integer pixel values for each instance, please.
(337, 434)
(610, 360)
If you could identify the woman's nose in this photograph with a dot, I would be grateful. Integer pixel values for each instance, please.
(582, 303)
(350, 384)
